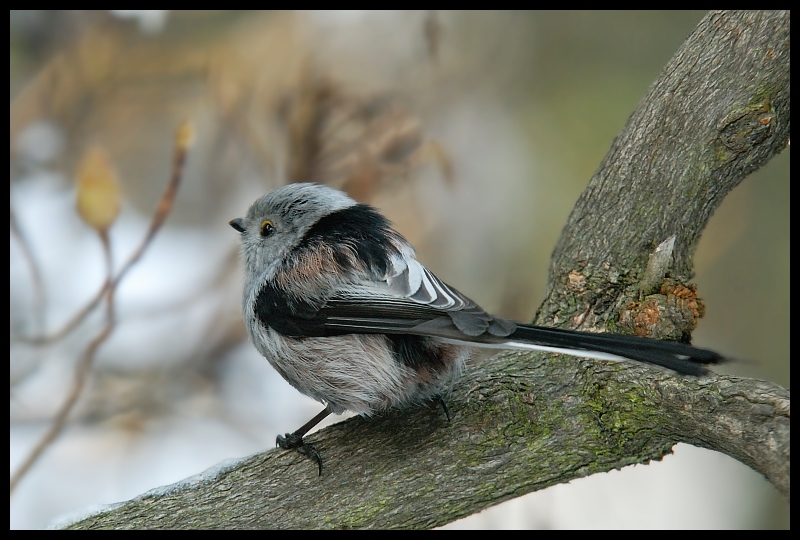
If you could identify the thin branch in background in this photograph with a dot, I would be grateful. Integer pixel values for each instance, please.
(167, 199)
(81, 375)
(36, 275)
(71, 324)
(97, 203)
(183, 140)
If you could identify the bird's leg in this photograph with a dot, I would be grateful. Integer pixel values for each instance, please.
(440, 399)
(295, 440)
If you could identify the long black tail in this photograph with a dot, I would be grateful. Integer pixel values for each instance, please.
(679, 357)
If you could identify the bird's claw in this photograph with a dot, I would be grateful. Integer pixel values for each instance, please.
(292, 441)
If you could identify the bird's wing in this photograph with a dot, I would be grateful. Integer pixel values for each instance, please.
(412, 300)
(409, 299)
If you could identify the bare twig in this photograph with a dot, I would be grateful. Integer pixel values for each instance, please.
(164, 206)
(81, 375)
(36, 275)
(83, 368)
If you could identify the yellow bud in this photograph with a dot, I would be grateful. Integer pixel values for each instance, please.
(184, 136)
(98, 191)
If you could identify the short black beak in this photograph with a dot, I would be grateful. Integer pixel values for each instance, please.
(237, 224)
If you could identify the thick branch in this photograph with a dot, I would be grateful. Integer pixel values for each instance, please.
(523, 422)
(519, 424)
(719, 111)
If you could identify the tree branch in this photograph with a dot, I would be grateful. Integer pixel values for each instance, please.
(518, 425)
(718, 111)
(522, 422)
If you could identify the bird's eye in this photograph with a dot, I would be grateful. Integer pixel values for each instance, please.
(267, 228)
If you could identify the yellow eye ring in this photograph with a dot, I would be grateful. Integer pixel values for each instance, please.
(267, 228)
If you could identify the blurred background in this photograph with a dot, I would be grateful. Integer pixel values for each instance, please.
(474, 132)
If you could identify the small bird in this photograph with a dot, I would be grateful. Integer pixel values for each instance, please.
(337, 302)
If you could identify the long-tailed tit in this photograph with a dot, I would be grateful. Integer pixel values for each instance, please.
(337, 302)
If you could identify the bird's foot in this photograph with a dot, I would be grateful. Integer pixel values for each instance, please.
(292, 441)
(444, 407)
